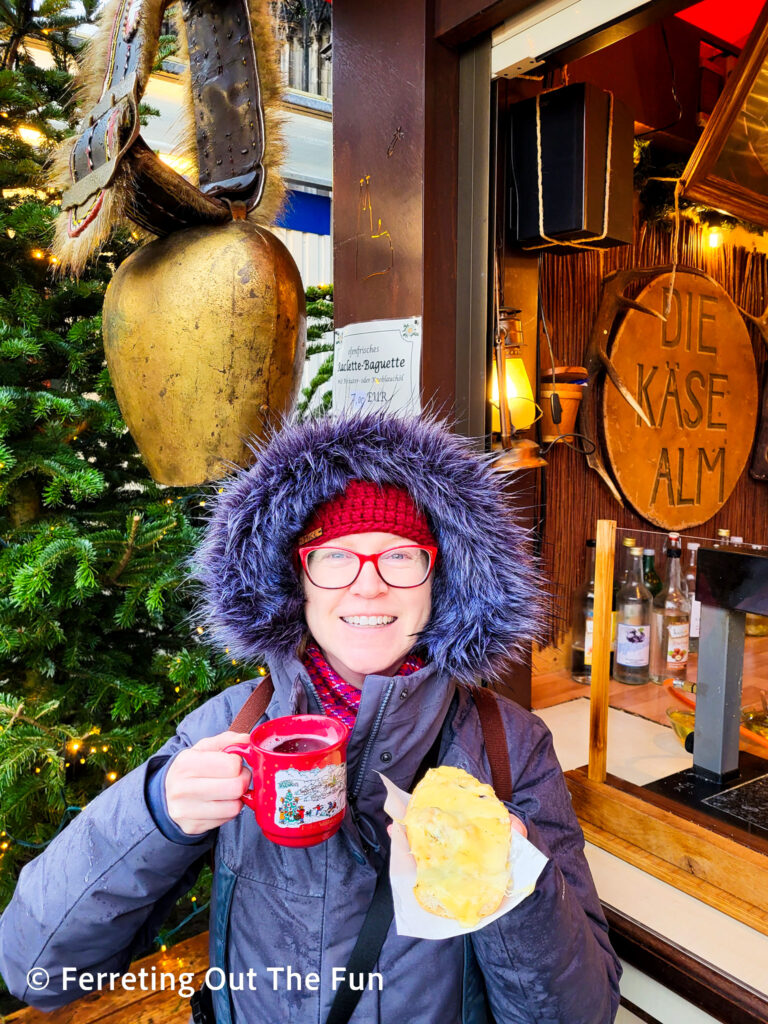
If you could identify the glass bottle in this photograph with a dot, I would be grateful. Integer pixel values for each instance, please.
(619, 579)
(633, 628)
(723, 537)
(690, 585)
(583, 613)
(652, 578)
(670, 622)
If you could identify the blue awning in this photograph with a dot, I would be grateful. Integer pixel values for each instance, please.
(305, 211)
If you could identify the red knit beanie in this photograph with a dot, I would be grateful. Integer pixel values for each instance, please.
(366, 507)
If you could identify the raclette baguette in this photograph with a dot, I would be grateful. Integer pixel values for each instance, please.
(459, 833)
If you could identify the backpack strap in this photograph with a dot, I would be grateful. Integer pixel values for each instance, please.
(244, 721)
(495, 738)
(254, 707)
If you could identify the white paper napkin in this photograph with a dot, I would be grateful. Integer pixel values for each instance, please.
(525, 866)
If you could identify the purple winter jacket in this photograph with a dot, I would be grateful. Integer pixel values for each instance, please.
(104, 885)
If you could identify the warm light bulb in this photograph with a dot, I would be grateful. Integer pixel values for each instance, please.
(522, 408)
(714, 238)
(31, 136)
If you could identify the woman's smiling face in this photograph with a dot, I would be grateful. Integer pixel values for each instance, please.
(356, 649)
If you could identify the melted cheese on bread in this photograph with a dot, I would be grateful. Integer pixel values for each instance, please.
(459, 833)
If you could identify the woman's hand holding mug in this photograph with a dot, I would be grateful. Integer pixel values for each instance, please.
(204, 785)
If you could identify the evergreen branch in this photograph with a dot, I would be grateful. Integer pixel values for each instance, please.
(34, 722)
(114, 574)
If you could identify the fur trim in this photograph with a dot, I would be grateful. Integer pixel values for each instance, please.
(73, 253)
(485, 599)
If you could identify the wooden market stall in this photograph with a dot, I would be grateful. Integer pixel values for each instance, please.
(462, 132)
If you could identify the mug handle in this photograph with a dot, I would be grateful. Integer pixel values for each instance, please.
(238, 748)
(243, 749)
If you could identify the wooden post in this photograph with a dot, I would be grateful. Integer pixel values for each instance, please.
(601, 650)
(395, 179)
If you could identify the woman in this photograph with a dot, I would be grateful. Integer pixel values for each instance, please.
(374, 563)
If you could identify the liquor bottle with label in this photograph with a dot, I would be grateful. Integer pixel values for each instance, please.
(670, 622)
(652, 578)
(633, 628)
(690, 586)
(623, 563)
(583, 612)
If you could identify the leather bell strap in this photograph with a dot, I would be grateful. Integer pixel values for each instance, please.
(229, 122)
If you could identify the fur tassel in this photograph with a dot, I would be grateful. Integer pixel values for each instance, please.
(73, 252)
(486, 602)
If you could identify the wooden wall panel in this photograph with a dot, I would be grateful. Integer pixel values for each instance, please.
(576, 498)
(395, 115)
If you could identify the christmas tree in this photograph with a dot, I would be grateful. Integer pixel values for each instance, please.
(98, 661)
(320, 324)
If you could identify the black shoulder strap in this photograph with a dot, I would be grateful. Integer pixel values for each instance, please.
(378, 919)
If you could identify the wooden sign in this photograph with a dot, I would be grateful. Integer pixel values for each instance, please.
(693, 375)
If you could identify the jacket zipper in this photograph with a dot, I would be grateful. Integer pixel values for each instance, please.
(371, 740)
(313, 691)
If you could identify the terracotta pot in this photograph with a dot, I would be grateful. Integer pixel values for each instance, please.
(204, 334)
(570, 399)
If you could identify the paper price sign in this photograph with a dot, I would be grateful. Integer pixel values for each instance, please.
(376, 365)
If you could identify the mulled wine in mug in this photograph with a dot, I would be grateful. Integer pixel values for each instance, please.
(299, 768)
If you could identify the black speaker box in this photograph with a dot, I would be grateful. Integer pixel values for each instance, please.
(575, 122)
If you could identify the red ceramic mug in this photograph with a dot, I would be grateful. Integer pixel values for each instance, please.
(299, 769)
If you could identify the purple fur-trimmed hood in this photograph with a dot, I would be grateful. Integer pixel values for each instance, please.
(485, 598)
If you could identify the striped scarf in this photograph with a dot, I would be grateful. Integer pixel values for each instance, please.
(339, 698)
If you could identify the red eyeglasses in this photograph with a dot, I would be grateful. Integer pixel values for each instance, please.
(405, 566)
